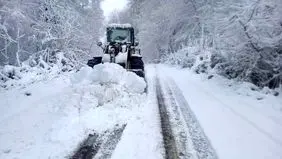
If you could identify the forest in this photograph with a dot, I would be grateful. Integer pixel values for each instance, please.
(238, 39)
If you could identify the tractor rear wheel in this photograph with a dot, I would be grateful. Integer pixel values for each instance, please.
(136, 63)
(137, 66)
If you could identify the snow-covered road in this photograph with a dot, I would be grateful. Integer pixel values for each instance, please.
(239, 122)
(214, 118)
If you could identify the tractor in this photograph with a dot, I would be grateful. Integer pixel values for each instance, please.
(121, 47)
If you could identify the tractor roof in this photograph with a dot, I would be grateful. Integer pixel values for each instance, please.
(114, 25)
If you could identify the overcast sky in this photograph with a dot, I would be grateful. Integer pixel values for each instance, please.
(110, 5)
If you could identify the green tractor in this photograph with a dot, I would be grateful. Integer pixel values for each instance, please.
(120, 48)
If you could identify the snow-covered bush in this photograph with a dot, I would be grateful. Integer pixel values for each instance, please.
(202, 65)
(10, 72)
(64, 61)
(35, 69)
(216, 60)
(263, 70)
(185, 58)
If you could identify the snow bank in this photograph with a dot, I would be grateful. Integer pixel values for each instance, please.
(110, 74)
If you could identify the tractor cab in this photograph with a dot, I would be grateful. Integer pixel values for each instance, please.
(122, 35)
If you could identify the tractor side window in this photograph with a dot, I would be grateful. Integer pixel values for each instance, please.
(119, 35)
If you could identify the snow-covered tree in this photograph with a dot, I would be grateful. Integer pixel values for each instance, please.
(38, 29)
(243, 37)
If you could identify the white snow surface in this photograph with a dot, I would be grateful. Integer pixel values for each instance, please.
(240, 121)
(49, 118)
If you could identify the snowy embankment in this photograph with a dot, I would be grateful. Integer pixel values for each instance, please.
(49, 118)
(240, 120)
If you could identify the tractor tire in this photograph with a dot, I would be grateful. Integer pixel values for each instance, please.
(137, 66)
(140, 73)
(122, 64)
(94, 61)
(136, 63)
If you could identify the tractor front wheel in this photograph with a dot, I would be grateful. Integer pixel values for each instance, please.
(94, 61)
(140, 73)
(136, 63)
(137, 66)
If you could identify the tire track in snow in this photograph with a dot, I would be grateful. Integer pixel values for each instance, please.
(99, 145)
(88, 148)
(110, 142)
(173, 107)
(168, 138)
(200, 141)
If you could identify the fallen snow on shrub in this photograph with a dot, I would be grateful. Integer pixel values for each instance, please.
(185, 57)
(13, 77)
(35, 70)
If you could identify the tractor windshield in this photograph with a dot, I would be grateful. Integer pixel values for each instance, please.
(119, 35)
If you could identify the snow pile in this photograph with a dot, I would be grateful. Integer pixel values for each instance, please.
(60, 112)
(110, 74)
